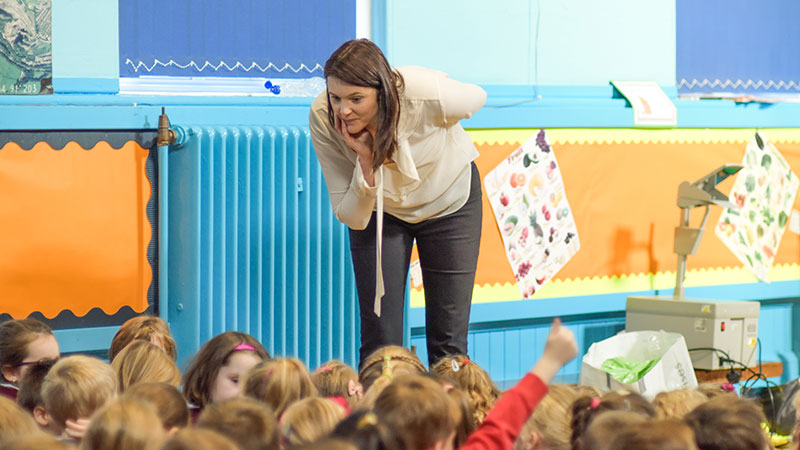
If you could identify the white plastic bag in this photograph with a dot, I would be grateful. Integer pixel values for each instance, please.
(673, 371)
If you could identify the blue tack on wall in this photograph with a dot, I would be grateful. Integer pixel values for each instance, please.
(240, 38)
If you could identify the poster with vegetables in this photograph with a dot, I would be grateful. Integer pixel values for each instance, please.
(527, 196)
(764, 193)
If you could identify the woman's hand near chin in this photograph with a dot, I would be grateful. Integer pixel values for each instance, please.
(361, 143)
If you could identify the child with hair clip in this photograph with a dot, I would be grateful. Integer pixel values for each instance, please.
(399, 360)
(217, 371)
(74, 389)
(422, 414)
(23, 343)
(366, 432)
(480, 388)
(279, 382)
(142, 361)
(124, 424)
(309, 420)
(247, 422)
(148, 328)
(338, 380)
(586, 408)
(169, 403)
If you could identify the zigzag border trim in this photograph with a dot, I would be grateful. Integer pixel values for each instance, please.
(727, 84)
(141, 65)
(560, 288)
(560, 136)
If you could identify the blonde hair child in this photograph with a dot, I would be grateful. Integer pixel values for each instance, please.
(194, 438)
(478, 385)
(391, 358)
(249, 423)
(337, 379)
(550, 424)
(148, 328)
(76, 387)
(676, 404)
(308, 420)
(124, 424)
(142, 361)
(279, 383)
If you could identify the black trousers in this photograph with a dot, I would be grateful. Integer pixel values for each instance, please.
(448, 253)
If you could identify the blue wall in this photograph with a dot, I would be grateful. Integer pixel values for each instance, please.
(544, 64)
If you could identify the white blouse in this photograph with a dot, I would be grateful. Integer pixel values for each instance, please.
(428, 176)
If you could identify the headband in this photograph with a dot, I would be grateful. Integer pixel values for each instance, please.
(324, 369)
(245, 346)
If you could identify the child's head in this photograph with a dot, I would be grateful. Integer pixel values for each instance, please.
(30, 395)
(675, 404)
(670, 434)
(220, 366)
(149, 328)
(728, 422)
(124, 424)
(248, 422)
(586, 408)
(76, 387)
(24, 343)
(337, 379)
(473, 380)
(34, 442)
(308, 420)
(279, 382)
(363, 429)
(550, 424)
(142, 361)
(605, 426)
(419, 410)
(194, 438)
(392, 360)
(167, 401)
(15, 421)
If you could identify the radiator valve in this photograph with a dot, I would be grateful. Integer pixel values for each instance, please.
(166, 135)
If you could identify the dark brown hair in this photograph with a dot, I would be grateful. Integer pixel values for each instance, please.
(728, 422)
(15, 336)
(214, 354)
(361, 63)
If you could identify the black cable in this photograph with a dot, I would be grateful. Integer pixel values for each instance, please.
(753, 378)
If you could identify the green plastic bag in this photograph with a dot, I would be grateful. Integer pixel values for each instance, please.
(626, 370)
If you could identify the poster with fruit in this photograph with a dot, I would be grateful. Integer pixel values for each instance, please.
(527, 196)
(764, 193)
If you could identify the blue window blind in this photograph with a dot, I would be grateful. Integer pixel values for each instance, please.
(739, 46)
(232, 38)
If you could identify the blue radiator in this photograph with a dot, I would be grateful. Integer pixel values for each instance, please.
(251, 244)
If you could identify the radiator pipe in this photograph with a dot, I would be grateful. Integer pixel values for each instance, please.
(164, 139)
